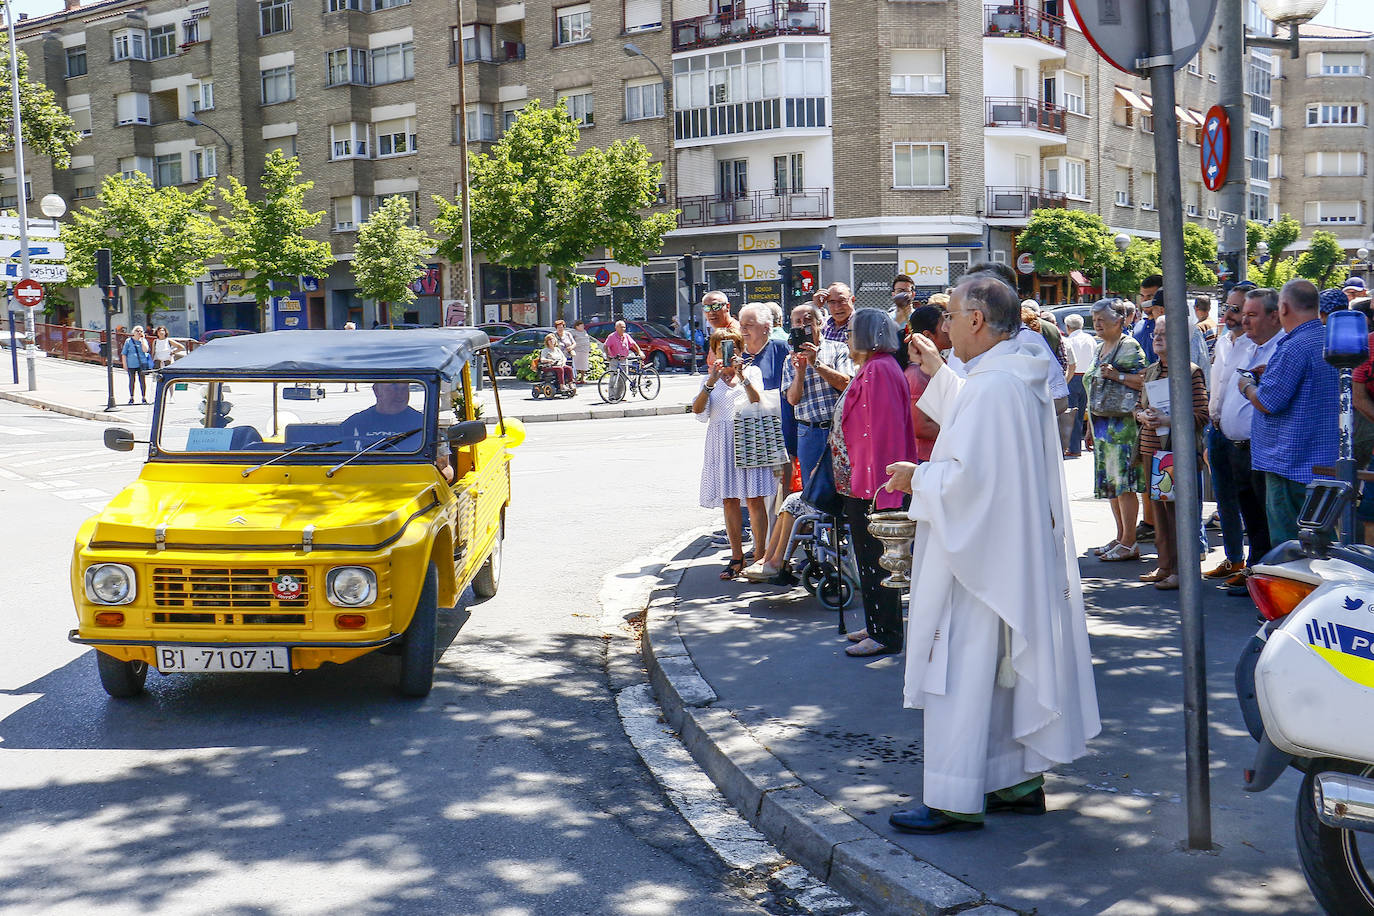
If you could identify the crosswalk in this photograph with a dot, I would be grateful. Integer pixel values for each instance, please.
(61, 457)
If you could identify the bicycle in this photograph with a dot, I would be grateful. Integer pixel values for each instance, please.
(632, 378)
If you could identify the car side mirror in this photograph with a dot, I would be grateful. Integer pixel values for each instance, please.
(469, 432)
(119, 440)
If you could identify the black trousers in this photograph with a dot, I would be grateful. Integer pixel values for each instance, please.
(1250, 490)
(882, 606)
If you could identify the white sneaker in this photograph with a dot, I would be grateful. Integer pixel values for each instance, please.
(760, 572)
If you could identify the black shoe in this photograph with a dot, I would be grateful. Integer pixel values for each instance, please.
(1144, 532)
(1034, 803)
(929, 820)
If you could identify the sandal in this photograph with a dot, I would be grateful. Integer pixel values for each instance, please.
(1121, 552)
(1099, 551)
(1153, 575)
(857, 635)
(732, 570)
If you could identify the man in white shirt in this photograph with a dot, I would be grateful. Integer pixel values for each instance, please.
(1081, 349)
(1229, 448)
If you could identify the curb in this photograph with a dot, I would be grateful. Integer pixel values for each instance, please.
(837, 847)
(31, 401)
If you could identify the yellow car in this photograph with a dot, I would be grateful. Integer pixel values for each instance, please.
(299, 506)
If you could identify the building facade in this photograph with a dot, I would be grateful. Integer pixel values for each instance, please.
(859, 140)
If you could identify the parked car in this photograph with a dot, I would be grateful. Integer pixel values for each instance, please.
(1084, 309)
(507, 350)
(498, 329)
(660, 345)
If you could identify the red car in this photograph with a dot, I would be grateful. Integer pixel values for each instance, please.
(660, 345)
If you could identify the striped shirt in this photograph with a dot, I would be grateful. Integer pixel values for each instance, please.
(1149, 438)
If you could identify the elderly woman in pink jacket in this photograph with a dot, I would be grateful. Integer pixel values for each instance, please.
(872, 428)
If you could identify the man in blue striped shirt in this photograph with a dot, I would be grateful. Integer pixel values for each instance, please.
(1297, 405)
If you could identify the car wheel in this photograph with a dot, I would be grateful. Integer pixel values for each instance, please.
(120, 678)
(660, 360)
(488, 578)
(417, 645)
(505, 367)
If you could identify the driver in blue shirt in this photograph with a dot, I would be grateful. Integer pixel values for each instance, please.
(393, 414)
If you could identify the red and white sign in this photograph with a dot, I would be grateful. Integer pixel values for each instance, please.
(807, 281)
(1025, 262)
(1216, 147)
(28, 293)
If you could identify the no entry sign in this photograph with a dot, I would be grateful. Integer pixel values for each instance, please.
(28, 293)
(1216, 147)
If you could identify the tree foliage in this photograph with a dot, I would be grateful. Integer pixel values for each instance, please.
(1324, 261)
(1062, 240)
(1278, 236)
(48, 128)
(1129, 268)
(156, 236)
(386, 259)
(1199, 253)
(264, 235)
(535, 200)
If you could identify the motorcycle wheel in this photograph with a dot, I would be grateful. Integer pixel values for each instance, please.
(1332, 860)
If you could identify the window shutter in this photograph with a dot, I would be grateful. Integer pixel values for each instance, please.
(643, 14)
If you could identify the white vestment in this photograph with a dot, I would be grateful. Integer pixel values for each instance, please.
(994, 560)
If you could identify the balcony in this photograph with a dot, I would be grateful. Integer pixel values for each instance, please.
(754, 207)
(740, 24)
(720, 121)
(1014, 202)
(1027, 114)
(1018, 21)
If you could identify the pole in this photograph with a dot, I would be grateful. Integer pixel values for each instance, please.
(1186, 484)
(109, 299)
(14, 351)
(468, 273)
(1231, 95)
(30, 327)
(1345, 463)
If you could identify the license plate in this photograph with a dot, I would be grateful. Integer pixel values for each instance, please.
(275, 659)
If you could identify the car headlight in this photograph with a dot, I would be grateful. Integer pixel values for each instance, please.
(110, 583)
(351, 586)
(677, 348)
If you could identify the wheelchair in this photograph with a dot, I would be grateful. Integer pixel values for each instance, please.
(546, 386)
(826, 564)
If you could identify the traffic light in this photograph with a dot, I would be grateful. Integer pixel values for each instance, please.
(104, 274)
(785, 271)
(684, 273)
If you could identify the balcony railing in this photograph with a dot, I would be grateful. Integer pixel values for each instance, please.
(502, 52)
(740, 24)
(1030, 113)
(753, 207)
(749, 117)
(1013, 201)
(1013, 20)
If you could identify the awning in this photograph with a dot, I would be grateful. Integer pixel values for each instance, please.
(1078, 278)
(1198, 118)
(1186, 119)
(1132, 99)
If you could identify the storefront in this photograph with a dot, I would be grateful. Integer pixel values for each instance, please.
(509, 294)
(934, 268)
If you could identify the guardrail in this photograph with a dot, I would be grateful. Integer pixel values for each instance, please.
(1013, 20)
(753, 207)
(63, 341)
(1012, 201)
(1024, 112)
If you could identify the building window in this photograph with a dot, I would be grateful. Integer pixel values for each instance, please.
(204, 163)
(732, 178)
(339, 6)
(345, 211)
(476, 43)
(919, 165)
(1147, 191)
(509, 115)
(1335, 63)
(789, 174)
(130, 44)
(284, 145)
(579, 103)
(411, 197)
(81, 119)
(395, 137)
(643, 99)
(643, 14)
(1345, 212)
(348, 141)
(162, 41)
(1194, 203)
(167, 170)
(1257, 152)
(481, 123)
(1345, 163)
(393, 63)
(131, 108)
(274, 16)
(388, 4)
(574, 23)
(76, 61)
(1257, 204)
(1074, 87)
(193, 30)
(278, 85)
(202, 95)
(1339, 115)
(1123, 187)
(83, 184)
(918, 72)
(1069, 177)
(347, 66)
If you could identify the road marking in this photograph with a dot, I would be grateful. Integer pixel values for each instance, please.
(18, 431)
(62, 484)
(96, 507)
(81, 494)
(36, 485)
(8, 475)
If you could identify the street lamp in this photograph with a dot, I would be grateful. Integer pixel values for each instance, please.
(197, 122)
(1122, 242)
(1288, 13)
(53, 206)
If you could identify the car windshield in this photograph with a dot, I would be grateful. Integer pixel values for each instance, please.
(221, 419)
(659, 330)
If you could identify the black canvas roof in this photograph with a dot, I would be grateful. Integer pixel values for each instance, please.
(325, 353)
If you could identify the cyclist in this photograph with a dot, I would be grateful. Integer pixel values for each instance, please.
(619, 346)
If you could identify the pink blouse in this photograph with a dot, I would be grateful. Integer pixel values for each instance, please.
(877, 428)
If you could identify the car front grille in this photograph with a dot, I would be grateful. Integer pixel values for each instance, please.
(264, 592)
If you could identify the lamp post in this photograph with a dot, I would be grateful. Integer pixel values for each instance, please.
(1122, 242)
(30, 327)
(465, 198)
(229, 147)
(633, 50)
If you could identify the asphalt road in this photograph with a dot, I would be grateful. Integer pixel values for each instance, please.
(510, 790)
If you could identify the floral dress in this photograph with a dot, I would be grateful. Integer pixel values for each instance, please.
(1115, 468)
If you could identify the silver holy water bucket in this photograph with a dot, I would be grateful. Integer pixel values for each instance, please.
(897, 532)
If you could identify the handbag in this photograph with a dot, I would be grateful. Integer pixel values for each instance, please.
(1162, 476)
(820, 487)
(759, 441)
(1110, 398)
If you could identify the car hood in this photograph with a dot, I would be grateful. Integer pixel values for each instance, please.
(360, 508)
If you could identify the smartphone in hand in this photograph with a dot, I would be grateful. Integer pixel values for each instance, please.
(727, 352)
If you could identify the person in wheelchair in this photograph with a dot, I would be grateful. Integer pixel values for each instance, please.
(554, 361)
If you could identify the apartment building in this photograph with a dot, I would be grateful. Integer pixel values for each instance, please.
(1322, 173)
(857, 139)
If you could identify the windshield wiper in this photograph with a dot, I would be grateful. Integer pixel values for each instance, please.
(384, 442)
(308, 447)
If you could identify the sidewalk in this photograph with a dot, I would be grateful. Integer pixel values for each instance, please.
(815, 748)
(79, 390)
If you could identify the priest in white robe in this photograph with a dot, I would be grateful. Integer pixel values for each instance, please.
(997, 641)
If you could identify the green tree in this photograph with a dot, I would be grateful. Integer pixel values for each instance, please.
(156, 236)
(1063, 240)
(1199, 250)
(264, 234)
(535, 200)
(48, 128)
(1324, 261)
(1254, 234)
(386, 259)
(1129, 268)
(1278, 236)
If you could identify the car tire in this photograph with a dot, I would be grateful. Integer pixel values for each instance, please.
(505, 367)
(121, 679)
(417, 645)
(488, 578)
(660, 361)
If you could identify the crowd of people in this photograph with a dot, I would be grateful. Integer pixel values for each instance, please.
(937, 407)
